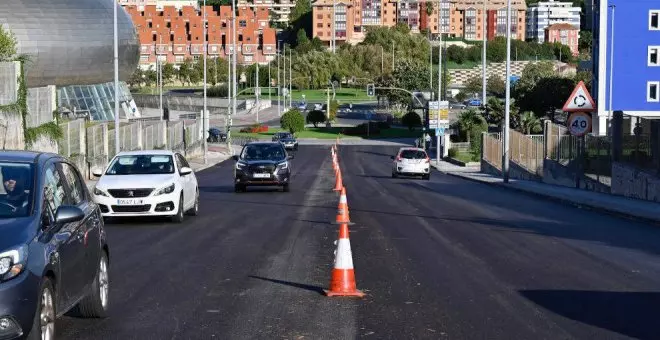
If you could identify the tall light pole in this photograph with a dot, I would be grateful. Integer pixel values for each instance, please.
(270, 99)
(159, 65)
(334, 20)
(290, 87)
(483, 54)
(204, 113)
(430, 65)
(284, 72)
(234, 57)
(256, 91)
(437, 135)
(116, 60)
(611, 66)
(279, 85)
(382, 60)
(392, 56)
(507, 102)
(229, 91)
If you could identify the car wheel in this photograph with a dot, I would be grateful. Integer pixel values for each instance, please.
(427, 177)
(178, 218)
(394, 175)
(43, 326)
(194, 211)
(240, 188)
(95, 305)
(286, 188)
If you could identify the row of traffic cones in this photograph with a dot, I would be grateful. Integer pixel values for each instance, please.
(342, 282)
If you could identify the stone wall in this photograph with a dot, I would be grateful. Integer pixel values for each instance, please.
(515, 171)
(567, 175)
(631, 182)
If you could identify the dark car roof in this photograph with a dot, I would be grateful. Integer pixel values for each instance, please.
(25, 156)
(263, 143)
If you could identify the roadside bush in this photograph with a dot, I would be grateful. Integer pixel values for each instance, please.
(383, 125)
(411, 120)
(293, 121)
(217, 91)
(453, 152)
(315, 117)
(361, 130)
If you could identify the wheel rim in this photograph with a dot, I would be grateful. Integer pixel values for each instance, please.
(104, 283)
(47, 315)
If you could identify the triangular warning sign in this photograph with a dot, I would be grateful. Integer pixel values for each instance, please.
(580, 100)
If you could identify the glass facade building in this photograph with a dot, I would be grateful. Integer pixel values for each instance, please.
(96, 101)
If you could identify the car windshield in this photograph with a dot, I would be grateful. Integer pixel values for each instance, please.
(269, 152)
(286, 136)
(141, 165)
(16, 191)
(413, 154)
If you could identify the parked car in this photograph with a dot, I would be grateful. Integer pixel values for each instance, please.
(147, 183)
(411, 162)
(53, 249)
(287, 139)
(262, 164)
(216, 135)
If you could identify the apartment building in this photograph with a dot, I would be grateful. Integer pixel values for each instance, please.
(566, 34)
(547, 13)
(344, 21)
(467, 19)
(174, 35)
(160, 3)
(280, 9)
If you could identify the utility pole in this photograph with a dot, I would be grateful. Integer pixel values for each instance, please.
(229, 88)
(279, 85)
(256, 91)
(327, 108)
(392, 56)
(160, 78)
(382, 60)
(431, 65)
(483, 55)
(437, 135)
(270, 82)
(284, 73)
(234, 58)
(507, 103)
(334, 20)
(611, 66)
(204, 112)
(290, 82)
(116, 60)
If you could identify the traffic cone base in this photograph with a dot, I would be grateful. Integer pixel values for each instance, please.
(342, 282)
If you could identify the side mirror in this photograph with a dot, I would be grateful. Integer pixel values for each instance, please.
(97, 172)
(289, 157)
(67, 214)
(185, 171)
(235, 157)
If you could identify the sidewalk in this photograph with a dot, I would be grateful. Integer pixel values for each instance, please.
(611, 204)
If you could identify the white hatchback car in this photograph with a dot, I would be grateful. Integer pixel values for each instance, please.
(147, 183)
(411, 162)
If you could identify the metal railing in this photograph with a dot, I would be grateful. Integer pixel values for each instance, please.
(527, 151)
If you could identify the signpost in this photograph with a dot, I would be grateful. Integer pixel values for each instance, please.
(438, 120)
(580, 104)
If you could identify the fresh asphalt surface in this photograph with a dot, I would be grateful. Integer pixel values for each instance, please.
(439, 259)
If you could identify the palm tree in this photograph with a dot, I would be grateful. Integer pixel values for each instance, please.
(468, 120)
(529, 123)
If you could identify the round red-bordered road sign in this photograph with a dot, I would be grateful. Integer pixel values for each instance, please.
(579, 123)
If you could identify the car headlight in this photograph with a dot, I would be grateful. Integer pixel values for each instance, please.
(166, 190)
(239, 165)
(12, 262)
(99, 192)
(283, 165)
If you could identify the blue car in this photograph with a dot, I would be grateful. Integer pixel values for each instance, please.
(53, 250)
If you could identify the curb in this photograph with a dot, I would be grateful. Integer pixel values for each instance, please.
(211, 164)
(564, 201)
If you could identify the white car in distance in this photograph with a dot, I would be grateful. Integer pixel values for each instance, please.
(411, 162)
(147, 183)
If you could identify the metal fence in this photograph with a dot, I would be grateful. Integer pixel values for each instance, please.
(527, 151)
(492, 149)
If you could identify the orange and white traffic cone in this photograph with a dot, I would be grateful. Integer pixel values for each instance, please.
(342, 209)
(342, 282)
(338, 182)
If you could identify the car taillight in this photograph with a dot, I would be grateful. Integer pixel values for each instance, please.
(398, 158)
(427, 160)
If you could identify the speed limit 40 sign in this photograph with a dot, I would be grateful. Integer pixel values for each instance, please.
(579, 123)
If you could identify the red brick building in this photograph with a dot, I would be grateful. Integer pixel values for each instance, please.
(178, 34)
(566, 34)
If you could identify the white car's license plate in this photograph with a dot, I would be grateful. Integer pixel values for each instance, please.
(261, 175)
(130, 201)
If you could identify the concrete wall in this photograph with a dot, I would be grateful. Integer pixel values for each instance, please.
(515, 171)
(567, 175)
(631, 182)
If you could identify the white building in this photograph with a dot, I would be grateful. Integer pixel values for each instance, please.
(160, 3)
(543, 14)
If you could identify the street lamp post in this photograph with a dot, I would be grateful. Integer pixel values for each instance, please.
(279, 86)
(334, 37)
(116, 61)
(437, 135)
(507, 102)
(234, 57)
(204, 113)
(290, 87)
(284, 73)
(611, 66)
(483, 54)
(256, 91)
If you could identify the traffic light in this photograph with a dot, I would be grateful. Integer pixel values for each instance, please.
(371, 90)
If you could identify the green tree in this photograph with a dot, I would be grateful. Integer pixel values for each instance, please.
(293, 121)
(529, 123)
(302, 8)
(168, 73)
(409, 75)
(494, 111)
(474, 85)
(185, 71)
(411, 120)
(7, 45)
(150, 76)
(456, 54)
(136, 78)
(429, 8)
(496, 85)
(468, 121)
(315, 117)
(586, 41)
(334, 107)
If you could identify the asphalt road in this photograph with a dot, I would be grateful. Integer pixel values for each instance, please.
(439, 259)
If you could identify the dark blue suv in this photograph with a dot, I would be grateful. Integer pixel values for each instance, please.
(53, 251)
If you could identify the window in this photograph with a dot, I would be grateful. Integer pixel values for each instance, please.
(75, 185)
(654, 20)
(653, 91)
(16, 189)
(654, 55)
(54, 189)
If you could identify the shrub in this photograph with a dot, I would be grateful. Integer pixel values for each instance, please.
(293, 121)
(383, 125)
(255, 128)
(217, 91)
(453, 152)
(411, 120)
(361, 130)
(315, 117)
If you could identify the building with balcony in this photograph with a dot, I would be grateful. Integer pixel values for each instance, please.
(160, 4)
(467, 19)
(547, 13)
(173, 35)
(280, 9)
(566, 34)
(633, 64)
(344, 21)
